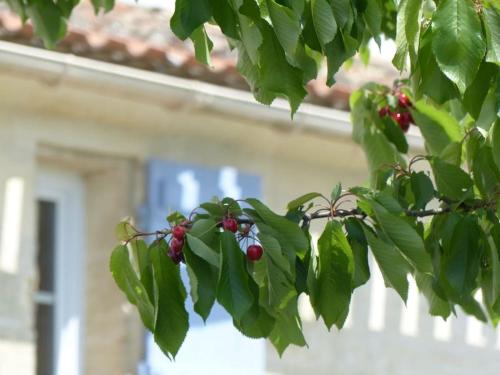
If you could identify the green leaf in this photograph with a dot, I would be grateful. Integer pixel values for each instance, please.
(202, 45)
(379, 152)
(288, 329)
(373, 18)
(203, 281)
(476, 93)
(312, 283)
(413, 13)
(491, 14)
(140, 253)
(290, 231)
(451, 181)
(171, 317)
(340, 49)
(490, 275)
(433, 82)
(490, 111)
(277, 78)
(393, 266)
(359, 247)
(336, 192)
(399, 59)
(226, 18)
(495, 143)
(422, 188)
(405, 237)
(393, 133)
(257, 322)
(175, 218)
(390, 203)
(485, 172)
(286, 26)
(458, 42)
(308, 31)
(335, 275)
(342, 9)
(251, 39)
(124, 231)
(188, 16)
(276, 288)
(324, 21)
(126, 279)
(206, 231)
(213, 209)
(47, 20)
(461, 259)
(437, 305)
(233, 291)
(18, 7)
(231, 206)
(203, 251)
(438, 127)
(472, 307)
(452, 154)
(300, 201)
(106, 5)
(273, 250)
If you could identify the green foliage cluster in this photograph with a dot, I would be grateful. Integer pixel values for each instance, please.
(433, 217)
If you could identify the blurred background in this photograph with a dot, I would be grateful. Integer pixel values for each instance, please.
(120, 121)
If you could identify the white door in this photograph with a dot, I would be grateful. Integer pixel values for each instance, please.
(59, 296)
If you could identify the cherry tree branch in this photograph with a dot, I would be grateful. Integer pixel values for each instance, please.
(342, 213)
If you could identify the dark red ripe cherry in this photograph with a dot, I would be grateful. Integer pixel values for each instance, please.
(403, 119)
(254, 252)
(176, 245)
(397, 116)
(179, 232)
(230, 224)
(404, 101)
(384, 111)
(176, 257)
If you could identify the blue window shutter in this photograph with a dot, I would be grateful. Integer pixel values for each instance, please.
(172, 186)
(181, 187)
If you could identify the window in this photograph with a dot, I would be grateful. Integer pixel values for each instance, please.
(58, 299)
(45, 296)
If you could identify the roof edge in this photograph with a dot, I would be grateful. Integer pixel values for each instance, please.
(196, 93)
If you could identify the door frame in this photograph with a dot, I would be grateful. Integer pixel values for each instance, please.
(67, 191)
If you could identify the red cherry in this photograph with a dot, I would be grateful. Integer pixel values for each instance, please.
(404, 101)
(230, 224)
(403, 119)
(407, 119)
(384, 111)
(176, 245)
(254, 252)
(179, 232)
(397, 116)
(410, 118)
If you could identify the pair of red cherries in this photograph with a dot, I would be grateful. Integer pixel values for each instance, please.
(254, 252)
(404, 119)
